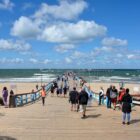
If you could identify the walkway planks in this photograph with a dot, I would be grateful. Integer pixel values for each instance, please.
(55, 121)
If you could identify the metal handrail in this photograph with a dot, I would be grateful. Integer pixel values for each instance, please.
(27, 98)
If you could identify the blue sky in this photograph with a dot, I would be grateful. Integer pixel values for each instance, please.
(70, 34)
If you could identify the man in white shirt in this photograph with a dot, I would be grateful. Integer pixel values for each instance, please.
(101, 95)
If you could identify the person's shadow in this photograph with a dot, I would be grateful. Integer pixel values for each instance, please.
(6, 138)
(93, 116)
(135, 121)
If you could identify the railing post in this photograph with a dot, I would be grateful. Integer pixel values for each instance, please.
(21, 99)
(35, 96)
(16, 101)
(26, 98)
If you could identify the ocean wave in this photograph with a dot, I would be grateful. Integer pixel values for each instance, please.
(31, 79)
(43, 74)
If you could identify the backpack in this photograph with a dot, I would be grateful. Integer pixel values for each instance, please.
(113, 95)
(83, 99)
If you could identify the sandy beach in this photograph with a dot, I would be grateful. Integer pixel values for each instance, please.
(19, 88)
(28, 87)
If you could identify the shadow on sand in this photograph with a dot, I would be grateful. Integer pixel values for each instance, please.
(6, 138)
(135, 121)
(93, 116)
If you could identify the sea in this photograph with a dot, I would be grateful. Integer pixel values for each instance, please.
(90, 75)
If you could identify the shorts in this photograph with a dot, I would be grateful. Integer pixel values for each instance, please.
(114, 100)
(84, 107)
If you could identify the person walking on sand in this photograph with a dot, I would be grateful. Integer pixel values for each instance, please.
(101, 95)
(126, 106)
(5, 96)
(83, 100)
(43, 95)
(37, 86)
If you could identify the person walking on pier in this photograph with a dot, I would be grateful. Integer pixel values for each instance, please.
(52, 90)
(73, 96)
(83, 100)
(126, 106)
(43, 95)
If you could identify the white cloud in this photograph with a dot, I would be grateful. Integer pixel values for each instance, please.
(34, 61)
(6, 5)
(65, 10)
(71, 32)
(58, 31)
(27, 6)
(68, 60)
(103, 49)
(64, 48)
(130, 56)
(78, 54)
(113, 42)
(13, 60)
(14, 45)
(46, 61)
(25, 28)
(119, 55)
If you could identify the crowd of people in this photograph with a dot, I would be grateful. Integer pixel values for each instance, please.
(60, 86)
(80, 99)
(121, 99)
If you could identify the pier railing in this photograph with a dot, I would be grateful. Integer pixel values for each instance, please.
(95, 96)
(27, 98)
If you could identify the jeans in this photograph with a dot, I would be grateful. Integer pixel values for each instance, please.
(126, 115)
(108, 102)
(101, 99)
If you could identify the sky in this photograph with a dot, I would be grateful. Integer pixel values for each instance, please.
(93, 34)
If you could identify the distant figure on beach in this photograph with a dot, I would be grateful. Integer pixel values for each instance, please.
(61, 87)
(113, 96)
(83, 100)
(52, 90)
(43, 95)
(126, 106)
(5, 96)
(73, 98)
(101, 95)
(37, 87)
(11, 99)
(65, 87)
(81, 83)
(108, 99)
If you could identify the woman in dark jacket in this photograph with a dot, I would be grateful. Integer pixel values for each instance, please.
(126, 106)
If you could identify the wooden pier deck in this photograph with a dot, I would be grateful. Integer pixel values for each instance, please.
(55, 121)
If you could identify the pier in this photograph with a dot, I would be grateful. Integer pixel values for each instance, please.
(55, 121)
